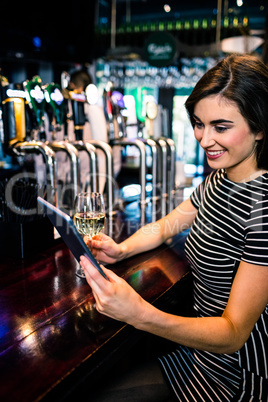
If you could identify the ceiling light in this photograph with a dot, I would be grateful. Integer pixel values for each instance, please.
(167, 8)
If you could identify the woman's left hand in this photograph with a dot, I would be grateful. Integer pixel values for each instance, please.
(114, 298)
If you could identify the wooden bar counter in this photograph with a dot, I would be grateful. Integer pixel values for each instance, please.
(52, 337)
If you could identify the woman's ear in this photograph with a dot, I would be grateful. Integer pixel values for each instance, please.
(259, 136)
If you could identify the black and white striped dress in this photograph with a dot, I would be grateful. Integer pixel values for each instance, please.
(231, 225)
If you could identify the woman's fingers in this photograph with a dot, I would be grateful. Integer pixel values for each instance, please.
(103, 248)
(90, 271)
(114, 298)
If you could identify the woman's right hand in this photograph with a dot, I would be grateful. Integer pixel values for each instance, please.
(104, 248)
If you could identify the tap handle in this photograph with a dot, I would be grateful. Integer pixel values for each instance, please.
(36, 99)
(56, 103)
(13, 113)
(78, 109)
(108, 112)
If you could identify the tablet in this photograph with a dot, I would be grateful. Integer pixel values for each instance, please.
(70, 235)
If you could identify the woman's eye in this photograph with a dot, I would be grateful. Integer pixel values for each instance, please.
(221, 129)
(198, 125)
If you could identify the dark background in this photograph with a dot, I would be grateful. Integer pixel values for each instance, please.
(65, 30)
(48, 37)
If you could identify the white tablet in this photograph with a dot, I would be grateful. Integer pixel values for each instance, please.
(70, 235)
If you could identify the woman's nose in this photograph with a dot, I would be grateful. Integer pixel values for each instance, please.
(206, 139)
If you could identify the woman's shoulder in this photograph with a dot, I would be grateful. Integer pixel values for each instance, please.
(216, 176)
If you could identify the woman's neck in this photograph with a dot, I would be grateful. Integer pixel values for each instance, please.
(244, 177)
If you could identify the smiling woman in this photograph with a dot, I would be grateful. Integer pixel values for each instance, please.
(239, 83)
(221, 353)
(226, 138)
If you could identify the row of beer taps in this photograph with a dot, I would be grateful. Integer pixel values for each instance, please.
(23, 113)
(24, 107)
(163, 155)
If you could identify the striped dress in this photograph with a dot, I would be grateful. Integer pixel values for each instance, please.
(231, 225)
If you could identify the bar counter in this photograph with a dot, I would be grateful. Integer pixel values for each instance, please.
(52, 337)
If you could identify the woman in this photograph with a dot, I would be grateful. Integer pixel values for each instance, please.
(222, 352)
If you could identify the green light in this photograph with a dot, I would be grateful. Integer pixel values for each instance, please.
(196, 24)
(204, 23)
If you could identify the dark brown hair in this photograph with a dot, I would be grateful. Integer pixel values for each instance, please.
(244, 81)
(81, 78)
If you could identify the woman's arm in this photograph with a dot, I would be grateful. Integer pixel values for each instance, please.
(225, 334)
(147, 237)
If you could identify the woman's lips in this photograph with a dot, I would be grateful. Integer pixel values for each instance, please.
(214, 154)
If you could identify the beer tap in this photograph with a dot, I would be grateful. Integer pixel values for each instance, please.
(78, 115)
(13, 99)
(117, 107)
(108, 112)
(56, 107)
(35, 107)
(168, 159)
(91, 92)
(35, 94)
(78, 101)
(171, 172)
(112, 113)
(108, 153)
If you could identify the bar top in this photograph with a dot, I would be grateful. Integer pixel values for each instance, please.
(49, 327)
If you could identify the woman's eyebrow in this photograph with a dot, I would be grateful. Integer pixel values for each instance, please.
(196, 117)
(219, 121)
(213, 122)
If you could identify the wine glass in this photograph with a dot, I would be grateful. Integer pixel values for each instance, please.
(89, 216)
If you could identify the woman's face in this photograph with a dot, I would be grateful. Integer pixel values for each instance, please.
(225, 136)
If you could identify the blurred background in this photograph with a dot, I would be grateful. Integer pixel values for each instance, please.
(149, 51)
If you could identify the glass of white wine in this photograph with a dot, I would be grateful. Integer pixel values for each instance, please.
(89, 216)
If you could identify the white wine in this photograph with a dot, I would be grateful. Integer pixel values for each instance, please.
(89, 223)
